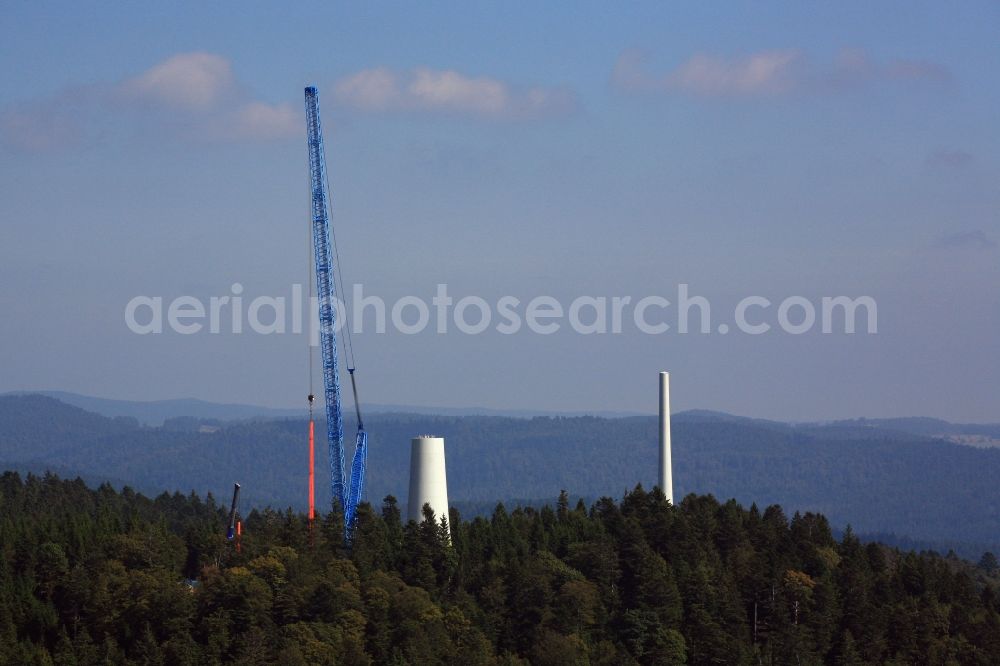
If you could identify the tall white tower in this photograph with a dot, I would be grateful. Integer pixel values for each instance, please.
(665, 478)
(428, 480)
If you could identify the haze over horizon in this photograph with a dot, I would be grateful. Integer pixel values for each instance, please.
(777, 151)
(105, 405)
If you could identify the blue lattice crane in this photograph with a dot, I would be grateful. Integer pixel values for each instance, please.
(327, 275)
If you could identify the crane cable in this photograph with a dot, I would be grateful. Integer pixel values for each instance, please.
(339, 279)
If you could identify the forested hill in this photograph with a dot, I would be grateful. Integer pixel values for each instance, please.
(93, 577)
(156, 412)
(876, 479)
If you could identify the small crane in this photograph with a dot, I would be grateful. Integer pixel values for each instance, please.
(235, 529)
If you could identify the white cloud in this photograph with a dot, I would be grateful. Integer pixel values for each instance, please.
(197, 96)
(371, 89)
(768, 72)
(258, 120)
(451, 91)
(448, 91)
(187, 80)
(765, 72)
(217, 107)
(190, 95)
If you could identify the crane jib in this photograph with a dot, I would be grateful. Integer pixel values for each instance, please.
(347, 496)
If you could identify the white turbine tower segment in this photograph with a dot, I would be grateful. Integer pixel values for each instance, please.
(428, 480)
(665, 478)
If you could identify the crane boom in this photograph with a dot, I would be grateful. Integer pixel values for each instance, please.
(347, 496)
(325, 295)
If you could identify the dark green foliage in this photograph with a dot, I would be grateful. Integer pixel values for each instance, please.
(99, 576)
(988, 563)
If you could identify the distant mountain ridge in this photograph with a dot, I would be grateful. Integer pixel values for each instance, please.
(922, 425)
(155, 412)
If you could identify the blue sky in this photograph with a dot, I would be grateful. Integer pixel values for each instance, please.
(570, 150)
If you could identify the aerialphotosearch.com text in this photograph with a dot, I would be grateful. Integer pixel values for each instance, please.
(443, 313)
